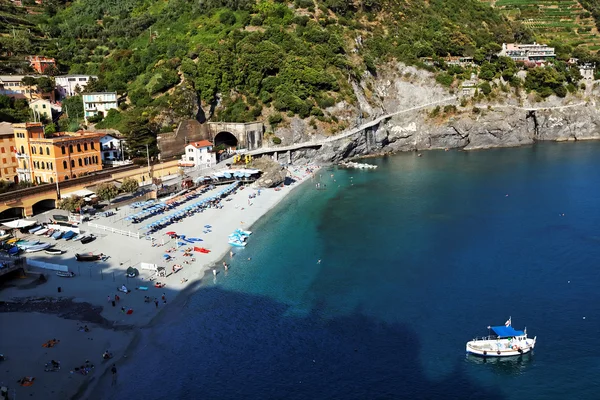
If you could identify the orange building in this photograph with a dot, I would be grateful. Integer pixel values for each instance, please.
(41, 64)
(63, 155)
(8, 167)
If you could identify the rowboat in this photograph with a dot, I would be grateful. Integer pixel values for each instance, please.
(69, 235)
(88, 257)
(37, 247)
(67, 274)
(88, 239)
(57, 235)
(505, 342)
(41, 231)
(54, 252)
(35, 229)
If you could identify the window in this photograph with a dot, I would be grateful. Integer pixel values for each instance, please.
(79, 147)
(22, 150)
(62, 148)
(74, 176)
(51, 180)
(47, 151)
(72, 163)
(86, 161)
(71, 79)
(32, 150)
(66, 177)
(41, 151)
(4, 161)
(64, 164)
(3, 150)
(43, 165)
(85, 147)
(92, 145)
(43, 106)
(51, 166)
(80, 163)
(70, 148)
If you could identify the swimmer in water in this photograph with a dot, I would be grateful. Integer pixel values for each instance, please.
(319, 262)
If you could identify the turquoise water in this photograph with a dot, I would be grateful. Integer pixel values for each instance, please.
(417, 257)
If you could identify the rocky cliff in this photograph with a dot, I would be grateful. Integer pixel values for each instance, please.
(514, 122)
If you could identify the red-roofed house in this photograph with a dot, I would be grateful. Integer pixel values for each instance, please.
(200, 154)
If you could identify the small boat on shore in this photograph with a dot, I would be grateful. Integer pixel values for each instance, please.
(25, 244)
(88, 257)
(37, 247)
(49, 232)
(69, 235)
(88, 239)
(505, 342)
(35, 229)
(54, 252)
(67, 274)
(57, 235)
(41, 231)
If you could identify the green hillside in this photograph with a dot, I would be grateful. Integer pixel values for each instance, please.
(568, 21)
(295, 57)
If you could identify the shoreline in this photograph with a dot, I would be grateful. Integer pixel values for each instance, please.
(120, 333)
(180, 301)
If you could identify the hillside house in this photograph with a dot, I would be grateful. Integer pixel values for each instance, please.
(535, 52)
(199, 154)
(41, 64)
(68, 85)
(98, 103)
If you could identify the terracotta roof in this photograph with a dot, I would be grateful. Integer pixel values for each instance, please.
(200, 144)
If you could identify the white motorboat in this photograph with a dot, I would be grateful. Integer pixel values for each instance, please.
(37, 247)
(504, 342)
(41, 231)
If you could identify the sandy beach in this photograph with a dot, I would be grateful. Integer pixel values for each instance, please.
(32, 313)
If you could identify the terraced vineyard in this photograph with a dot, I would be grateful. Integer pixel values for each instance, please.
(564, 20)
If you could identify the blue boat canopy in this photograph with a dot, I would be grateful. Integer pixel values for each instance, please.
(506, 331)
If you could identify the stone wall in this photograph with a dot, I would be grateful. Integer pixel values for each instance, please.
(172, 145)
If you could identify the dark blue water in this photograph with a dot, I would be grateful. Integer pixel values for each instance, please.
(418, 257)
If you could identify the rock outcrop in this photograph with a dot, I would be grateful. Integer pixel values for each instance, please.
(273, 174)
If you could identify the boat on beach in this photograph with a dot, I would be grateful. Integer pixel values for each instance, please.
(37, 247)
(54, 252)
(67, 274)
(87, 239)
(504, 342)
(88, 257)
(69, 235)
(57, 235)
(41, 232)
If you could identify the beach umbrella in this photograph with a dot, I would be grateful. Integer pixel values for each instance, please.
(132, 272)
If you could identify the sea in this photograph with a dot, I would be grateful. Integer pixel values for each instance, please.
(371, 287)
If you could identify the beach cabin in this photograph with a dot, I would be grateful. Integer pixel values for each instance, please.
(200, 154)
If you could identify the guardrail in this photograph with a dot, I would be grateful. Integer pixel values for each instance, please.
(114, 230)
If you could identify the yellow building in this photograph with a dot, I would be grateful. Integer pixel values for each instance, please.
(63, 155)
(8, 167)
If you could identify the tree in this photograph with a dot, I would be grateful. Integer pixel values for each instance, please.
(45, 84)
(50, 129)
(129, 185)
(73, 107)
(28, 81)
(107, 191)
(71, 203)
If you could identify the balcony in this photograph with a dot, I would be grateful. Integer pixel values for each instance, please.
(22, 155)
(23, 171)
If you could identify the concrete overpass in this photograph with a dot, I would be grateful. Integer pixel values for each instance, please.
(367, 128)
(29, 201)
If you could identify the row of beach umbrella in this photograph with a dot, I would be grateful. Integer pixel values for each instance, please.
(191, 208)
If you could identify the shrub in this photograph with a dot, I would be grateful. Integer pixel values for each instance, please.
(444, 79)
(485, 88)
(275, 119)
(560, 91)
(276, 140)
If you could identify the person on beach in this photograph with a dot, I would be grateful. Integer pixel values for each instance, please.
(156, 302)
(164, 298)
(117, 298)
(114, 374)
(230, 254)
(123, 310)
(108, 298)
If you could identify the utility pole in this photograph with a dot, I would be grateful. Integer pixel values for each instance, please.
(148, 157)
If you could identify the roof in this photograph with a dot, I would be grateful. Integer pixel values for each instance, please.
(506, 331)
(6, 128)
(99, 93)
(76, 76)
(17, 78)
(201, 144)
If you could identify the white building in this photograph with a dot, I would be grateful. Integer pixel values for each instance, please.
(200, 154)
(587, 71)
(527, 52)
(111, 149)
(96, 103)
(67, 84)
(41, 108)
